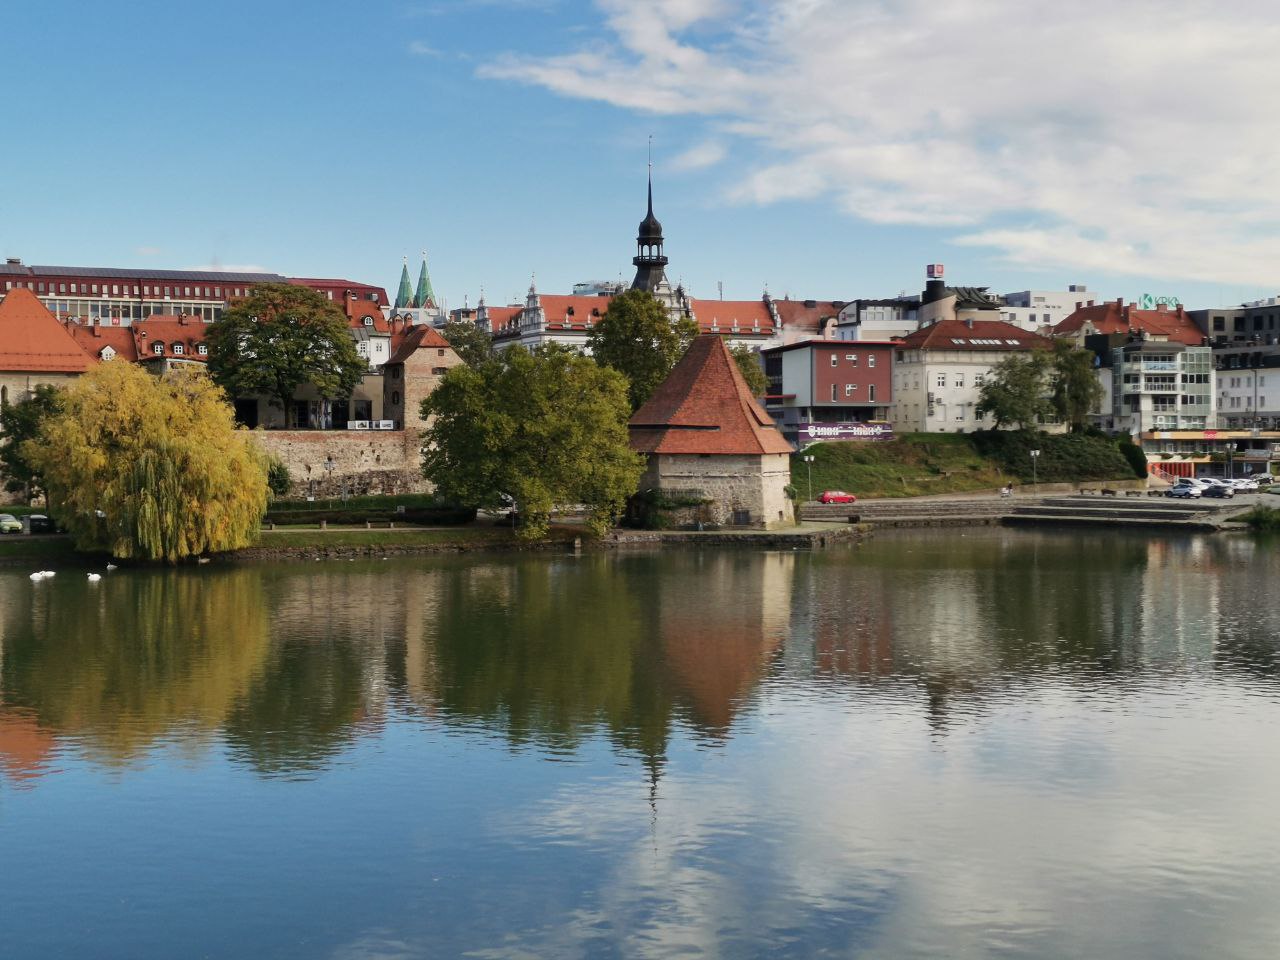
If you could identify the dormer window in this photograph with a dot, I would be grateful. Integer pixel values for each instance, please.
(107, 353)
(202, 349)
(177, 349)
(157, 348)
(368, 321)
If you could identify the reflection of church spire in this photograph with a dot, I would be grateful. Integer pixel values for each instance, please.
(424, 296)
(404, 296)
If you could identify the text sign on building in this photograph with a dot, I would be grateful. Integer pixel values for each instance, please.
(934, 271)
(1149, 301)
(871, 430)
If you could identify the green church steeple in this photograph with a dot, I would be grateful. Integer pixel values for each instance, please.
(404, 296)
(425, 296)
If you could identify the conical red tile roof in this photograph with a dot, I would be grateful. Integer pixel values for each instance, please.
(705, 407)
(32, 339)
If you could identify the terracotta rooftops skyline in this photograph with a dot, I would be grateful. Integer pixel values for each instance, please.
(705, 407)
(32, 339)
(1116, 317)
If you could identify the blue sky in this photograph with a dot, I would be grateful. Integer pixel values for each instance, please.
(826, 148)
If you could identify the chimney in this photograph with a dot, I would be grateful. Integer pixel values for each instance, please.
(97, 330)
(182, 319)
(14, 261)
(969, 322)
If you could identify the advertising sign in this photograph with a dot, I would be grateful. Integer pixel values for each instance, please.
(1149, 301)
(934, 271)
(870, 430)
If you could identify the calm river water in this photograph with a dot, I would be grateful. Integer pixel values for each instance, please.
(1000, 743)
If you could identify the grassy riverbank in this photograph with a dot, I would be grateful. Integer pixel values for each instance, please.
(920, 464)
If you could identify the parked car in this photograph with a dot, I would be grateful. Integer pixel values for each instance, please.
(836, 496)
(1245, 485)
(9, 523)
(1219, 491)
(1264, 479)
(39, 523)
(1185, 491)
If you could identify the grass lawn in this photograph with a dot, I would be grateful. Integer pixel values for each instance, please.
(17, 547)
(910, 466)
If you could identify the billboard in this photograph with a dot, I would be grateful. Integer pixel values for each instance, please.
(1149, 301)
(934, 271)
(869, 430)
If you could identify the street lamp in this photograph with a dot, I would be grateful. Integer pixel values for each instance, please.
(1035, 455)
(328, 469)
(808, 463)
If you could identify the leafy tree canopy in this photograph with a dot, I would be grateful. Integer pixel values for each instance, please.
(147, 467)
(20, 422)
(472, 344)
(637, 338)
(1016, 391)
(748, 362)
(279, 338)
(1076, 391)
(538, 430)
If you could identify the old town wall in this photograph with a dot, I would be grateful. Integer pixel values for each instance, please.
(364, 461)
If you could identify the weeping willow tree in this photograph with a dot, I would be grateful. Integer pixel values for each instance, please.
(150, 467)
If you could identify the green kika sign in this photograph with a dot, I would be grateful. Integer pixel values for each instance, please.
(1149, 301)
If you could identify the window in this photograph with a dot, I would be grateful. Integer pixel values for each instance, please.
(62, 288)
(217, 292)
(202, 350)
(871, 360)
(158, 349)
(833, 389)
(871, 392)
(362, 348)
(178, 349)
(40, 285)
(186, 291)
(368, 321)
(849, 388)
(440, 351)
(395, 397)
(852, 358)
(942, 379)
(834, 360)
(959, 379)
(95, 288)
(439, 371)
(115, 289)
(979, 379)
(959, 411)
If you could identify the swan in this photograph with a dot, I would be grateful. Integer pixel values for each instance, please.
(112, 566)
(47, 573)
(95, 577)
(37, 576)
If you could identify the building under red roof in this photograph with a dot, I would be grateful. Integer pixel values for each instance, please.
(732, 316)
(174, 338)
(104, 342)
(807, 317)
(413, 339)
(1116, 316)
(33, 341)
(705, 407)
(976, 335)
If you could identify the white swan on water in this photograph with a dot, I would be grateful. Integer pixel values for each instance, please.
(95, 577)
(37, 576)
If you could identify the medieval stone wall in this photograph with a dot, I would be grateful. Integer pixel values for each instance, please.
(364, 461)
(754, 485)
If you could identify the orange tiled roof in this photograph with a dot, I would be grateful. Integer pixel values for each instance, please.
(722, 314)
(797, 315)
(94, 339)
(1113, 317)
(169, 332)
(413, 339)
(704, 406)
(983, 335)
(32, 339)
(500, 317)
(570, 311)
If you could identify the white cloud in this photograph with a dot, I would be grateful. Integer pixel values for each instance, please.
(1135, 138)
(148, 251)
(700, 156)
(231, 268)
(420, 49)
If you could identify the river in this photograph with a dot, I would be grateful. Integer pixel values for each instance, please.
(982, 743)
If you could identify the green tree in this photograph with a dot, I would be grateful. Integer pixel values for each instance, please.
(1016, 391)
(150, 467)
(538, 430)
(20, 422)
(748, 362)
(279, 338)
(1076, 391)
(637, 338)
(471, 343)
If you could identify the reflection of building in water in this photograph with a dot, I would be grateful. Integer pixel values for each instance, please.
(1180, 594)
(26, 748)
(720, 628)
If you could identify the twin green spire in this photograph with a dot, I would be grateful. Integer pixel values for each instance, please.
(424, 296)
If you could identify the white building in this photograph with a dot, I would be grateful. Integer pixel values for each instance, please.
(1036, 309)
(939, 370)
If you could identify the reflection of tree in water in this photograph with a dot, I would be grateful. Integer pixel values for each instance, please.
(118, 665)
(551, 652)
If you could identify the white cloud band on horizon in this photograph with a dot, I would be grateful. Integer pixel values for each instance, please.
(1132, 138)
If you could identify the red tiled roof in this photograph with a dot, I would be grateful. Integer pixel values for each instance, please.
(984, 335)
(357, 310)
(1113, 317)
(415, 338)
(93, 340)
(722, 314)
(169, 331)
(500, 317)
(573, 310)
(32, 339)
(704, 406)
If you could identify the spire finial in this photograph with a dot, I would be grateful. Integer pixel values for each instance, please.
(651, 174)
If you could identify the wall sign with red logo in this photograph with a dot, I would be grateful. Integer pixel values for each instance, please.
(868, 430)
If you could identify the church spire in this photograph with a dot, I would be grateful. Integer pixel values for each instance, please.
(404, 296)
(649, 260)
(424, 296)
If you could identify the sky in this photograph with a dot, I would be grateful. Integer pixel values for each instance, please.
(817, 148)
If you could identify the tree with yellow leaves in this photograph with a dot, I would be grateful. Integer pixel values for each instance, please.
(150, 467)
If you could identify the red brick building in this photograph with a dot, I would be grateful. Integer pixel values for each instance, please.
(830, 389)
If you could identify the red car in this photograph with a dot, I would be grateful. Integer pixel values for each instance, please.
(837, 496)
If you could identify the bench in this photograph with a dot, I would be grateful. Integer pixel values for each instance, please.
(1109, 493)
(1133, 493)
(389, 524)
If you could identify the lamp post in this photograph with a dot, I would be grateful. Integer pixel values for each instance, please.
(1035, 455)
(328, 469)
(808, 463)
